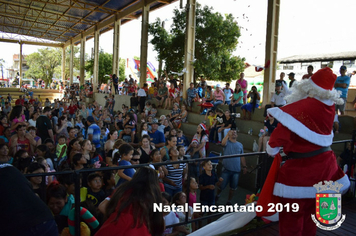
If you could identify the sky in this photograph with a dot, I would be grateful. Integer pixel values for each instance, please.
(305, 27)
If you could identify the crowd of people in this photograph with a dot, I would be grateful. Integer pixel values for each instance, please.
(42, 136)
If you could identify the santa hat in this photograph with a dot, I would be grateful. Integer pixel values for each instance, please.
(203, 126)
(324, 79)
(195, 141)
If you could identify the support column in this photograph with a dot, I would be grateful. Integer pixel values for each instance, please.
(116, 51)
(96, 61)
(144, 44)
(271, 50)
(64, 66)
(189, 46)
(116, 47)
(20, 66)
(71, 63)
(82, 60)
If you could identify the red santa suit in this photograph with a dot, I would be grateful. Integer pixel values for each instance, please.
(304, 127)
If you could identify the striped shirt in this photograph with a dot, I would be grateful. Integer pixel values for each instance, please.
(174, 174)
(95, 131)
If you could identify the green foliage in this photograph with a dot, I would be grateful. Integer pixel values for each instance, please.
(105, 67)
(122, 67)
(76, 64)
(42, 64)
(216, 38)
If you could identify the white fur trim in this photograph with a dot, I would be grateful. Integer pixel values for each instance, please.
(300, 129)
(272, 151)
(307, 88)
(286, 191)
(327, 102)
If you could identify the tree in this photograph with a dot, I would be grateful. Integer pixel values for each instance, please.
(122, 67)
(216, 38)
(76, 64)
(42, 64)
(105, 67)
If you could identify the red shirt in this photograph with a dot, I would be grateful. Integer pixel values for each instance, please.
(32, 101)
(123, 225)
(20, 102)
(72, 109)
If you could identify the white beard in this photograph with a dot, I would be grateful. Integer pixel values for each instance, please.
(306, 88)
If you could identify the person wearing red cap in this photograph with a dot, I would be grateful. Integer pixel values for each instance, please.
(305, 133)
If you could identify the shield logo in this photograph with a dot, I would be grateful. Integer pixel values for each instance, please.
(328, 208)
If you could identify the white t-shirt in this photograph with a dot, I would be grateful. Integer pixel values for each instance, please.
(170, 219)
(141, 93)
(32, 122)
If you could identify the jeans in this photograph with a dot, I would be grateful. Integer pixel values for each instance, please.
(232, 108)
(212, 136)
(216, 104)
(227, 102)
(230, 176)
(172, 190)
(71, 116)
(225, 131)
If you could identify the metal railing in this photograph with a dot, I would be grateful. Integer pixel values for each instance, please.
(262, 166)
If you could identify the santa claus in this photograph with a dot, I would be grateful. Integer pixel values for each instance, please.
(305, 131)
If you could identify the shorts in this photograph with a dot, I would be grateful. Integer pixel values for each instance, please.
(230, 176)
(341, 107)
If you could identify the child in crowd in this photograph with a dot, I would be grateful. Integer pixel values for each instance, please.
(36, 168)
(147, 110)
(95, 194)
(219, 121)
(210, 117)
(171, 217)
(108, 182)
(61, 150)
(144, 129)
(181, 151)
(190, 151)
(151, 91)
(43, 162)
(153, 111)
(181, 139)
(180, 199)
(207, 181)
(126, 152)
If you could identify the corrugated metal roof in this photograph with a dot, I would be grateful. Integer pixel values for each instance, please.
(62, 20)
(319, 57)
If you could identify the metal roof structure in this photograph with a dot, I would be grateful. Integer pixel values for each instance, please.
(63, 21)
(319, 57)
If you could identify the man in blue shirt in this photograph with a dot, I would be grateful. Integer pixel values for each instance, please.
(342, 84)
(94, 133)
(157, 137)
(232, 166)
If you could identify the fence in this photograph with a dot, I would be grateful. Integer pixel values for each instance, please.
(262, 168)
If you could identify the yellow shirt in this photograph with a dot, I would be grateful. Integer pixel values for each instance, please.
(151, 90)
(211, 119)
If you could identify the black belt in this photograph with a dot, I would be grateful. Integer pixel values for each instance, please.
(298, 155)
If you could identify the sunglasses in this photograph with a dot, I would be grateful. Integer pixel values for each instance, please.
(135, 159)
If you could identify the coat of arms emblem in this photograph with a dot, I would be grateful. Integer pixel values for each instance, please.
(328, 206)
